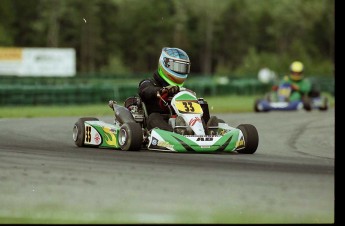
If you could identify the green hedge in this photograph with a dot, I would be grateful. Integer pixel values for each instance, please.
(55, 91)
(47, 95)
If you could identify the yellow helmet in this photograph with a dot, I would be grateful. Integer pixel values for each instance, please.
(296, 70)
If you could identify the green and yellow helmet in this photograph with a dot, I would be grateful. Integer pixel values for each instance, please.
(173, 66)
(296, 71)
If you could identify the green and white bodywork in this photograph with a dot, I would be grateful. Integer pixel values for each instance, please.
(101, 134)
(129, 133)
(232, 140)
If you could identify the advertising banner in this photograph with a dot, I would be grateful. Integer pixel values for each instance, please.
(37, 61)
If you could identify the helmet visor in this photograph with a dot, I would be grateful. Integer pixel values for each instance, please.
(178, 66)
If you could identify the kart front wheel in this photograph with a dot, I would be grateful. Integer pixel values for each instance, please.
(256, 105)
(307, 105)
(259, 107)
(130, 136)
(325, 105)
(251, 138)
(79, 130)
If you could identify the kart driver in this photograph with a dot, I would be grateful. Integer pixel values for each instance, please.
(173, 70)
(300, 85)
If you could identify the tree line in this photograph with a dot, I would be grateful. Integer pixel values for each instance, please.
(221, 37)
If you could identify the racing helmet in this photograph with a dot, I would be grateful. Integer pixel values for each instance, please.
(173, 66)
(296, 71)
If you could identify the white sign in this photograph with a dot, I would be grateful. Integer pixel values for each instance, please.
(38, 61)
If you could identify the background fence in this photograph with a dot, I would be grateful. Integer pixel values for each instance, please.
(99, 89)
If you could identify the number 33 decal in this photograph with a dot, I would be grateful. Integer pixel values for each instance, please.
(188, 106)
(88, 134)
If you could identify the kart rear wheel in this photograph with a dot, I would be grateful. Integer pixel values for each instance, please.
(130, 136)
(251, 138)
(79, 130)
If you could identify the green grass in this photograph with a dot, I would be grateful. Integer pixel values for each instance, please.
(175, 217)
(217, 104)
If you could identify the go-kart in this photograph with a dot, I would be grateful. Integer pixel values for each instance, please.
(279, 100)
(199, 132)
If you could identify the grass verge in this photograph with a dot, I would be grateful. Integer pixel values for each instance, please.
(217, 104)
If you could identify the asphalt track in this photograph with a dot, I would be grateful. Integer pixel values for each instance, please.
(45, 178)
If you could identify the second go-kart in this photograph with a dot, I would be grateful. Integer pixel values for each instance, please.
(279, 100)
(198, 133)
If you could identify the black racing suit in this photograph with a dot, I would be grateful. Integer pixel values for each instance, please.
(147, 91)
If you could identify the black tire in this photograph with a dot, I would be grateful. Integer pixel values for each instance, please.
(306, 103)
(79, 130)
(131, 136)
(212, 125)
(325, 105)
(256, 109)
(251, 138)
